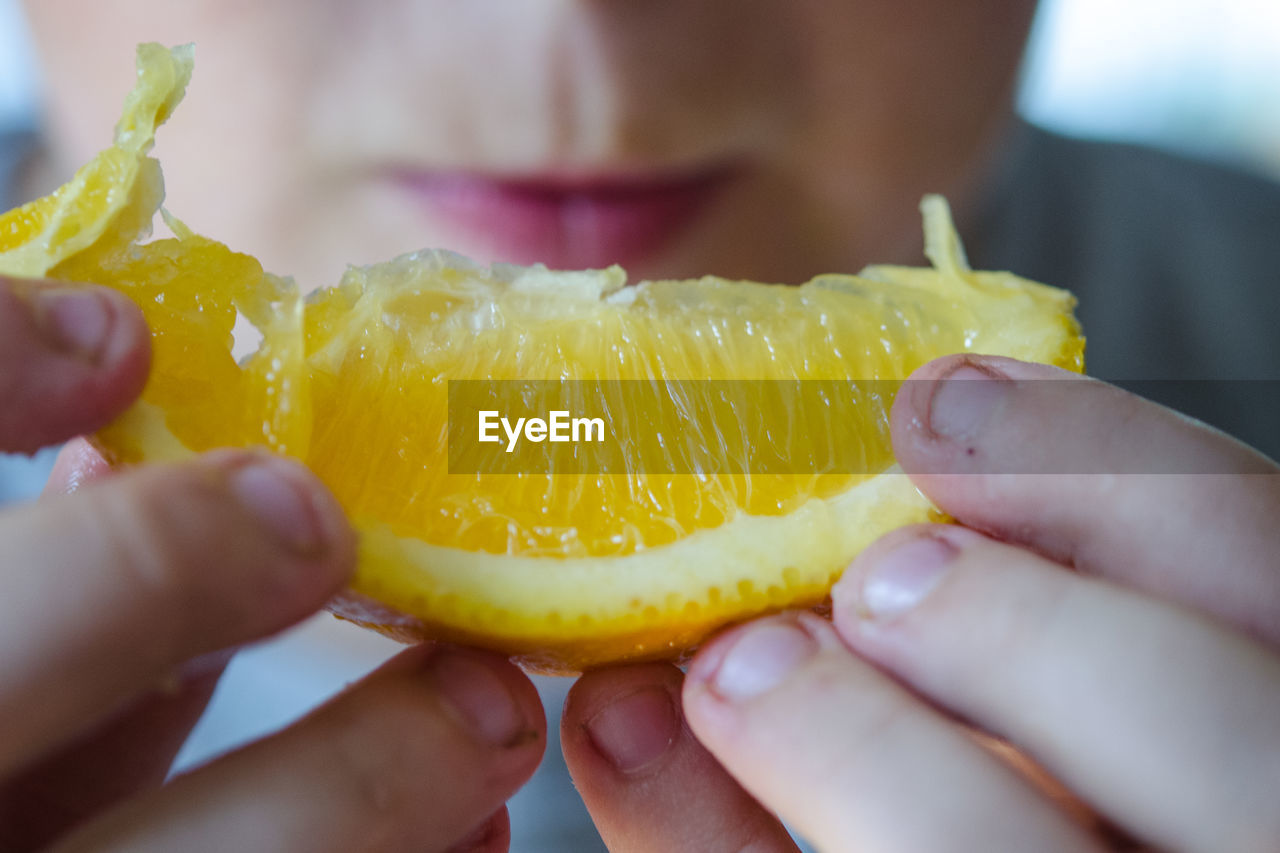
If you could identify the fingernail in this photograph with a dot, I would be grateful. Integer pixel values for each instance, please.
(288, 501)
(901, 578)
(74, 320)
(636, 730)
(964, 401)
(761, 658)
(478, 697)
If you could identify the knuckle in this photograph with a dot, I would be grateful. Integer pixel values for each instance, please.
(389, 748)
(875, 721)
(383, 754)
(1024, 611)
(870, 715)
(877, 727)
(163, 535)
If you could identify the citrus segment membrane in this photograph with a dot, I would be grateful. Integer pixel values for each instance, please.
(113, 198)
(563, 570)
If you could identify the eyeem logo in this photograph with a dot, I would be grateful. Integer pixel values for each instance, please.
(558, 426)
(729, 427)
(668, 426)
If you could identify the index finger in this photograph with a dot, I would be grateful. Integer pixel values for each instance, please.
(108, 590)
(1098, 479)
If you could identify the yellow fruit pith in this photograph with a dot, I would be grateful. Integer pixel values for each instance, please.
(563, 570)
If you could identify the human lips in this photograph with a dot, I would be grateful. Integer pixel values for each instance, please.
(567, 221)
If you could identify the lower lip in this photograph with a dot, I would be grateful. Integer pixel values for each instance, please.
(566, 223)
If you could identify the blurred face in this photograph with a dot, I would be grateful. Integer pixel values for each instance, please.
(770, 139)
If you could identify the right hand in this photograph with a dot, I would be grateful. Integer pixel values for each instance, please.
(1088, 660)
(121, 602)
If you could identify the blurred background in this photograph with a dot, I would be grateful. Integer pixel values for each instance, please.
(1199, 76)
(1194, 75)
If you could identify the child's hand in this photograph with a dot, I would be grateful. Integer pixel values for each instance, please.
(1147, 681)
(119, 604)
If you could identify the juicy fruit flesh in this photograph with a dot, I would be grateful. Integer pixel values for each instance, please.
(424, 320)
(498, 333)
(568, 570)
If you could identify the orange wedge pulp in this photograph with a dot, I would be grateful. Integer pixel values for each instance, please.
(639, 558)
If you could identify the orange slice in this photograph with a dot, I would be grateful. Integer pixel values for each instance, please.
(709, 504)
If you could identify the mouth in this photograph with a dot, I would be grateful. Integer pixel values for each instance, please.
(566, 221)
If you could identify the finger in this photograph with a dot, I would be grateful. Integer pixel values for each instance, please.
(71, 358)
(129, 753)
(77, 463)
(414, 758)
(1120, 484)
(1160, 718)
(648, 783)
(108, 590)
(851, 759)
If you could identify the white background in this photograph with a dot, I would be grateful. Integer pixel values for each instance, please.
(1196, 74)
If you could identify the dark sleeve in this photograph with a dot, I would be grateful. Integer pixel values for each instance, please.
(1176, 263)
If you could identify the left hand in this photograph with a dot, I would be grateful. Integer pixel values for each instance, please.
(120, 604)
(1146, 682)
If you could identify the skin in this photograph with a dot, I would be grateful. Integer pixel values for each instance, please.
(1119, 629)
(843, 115)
